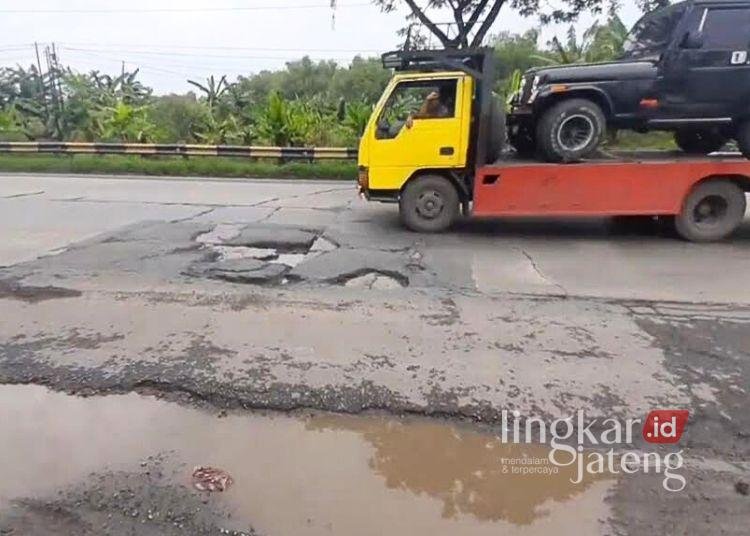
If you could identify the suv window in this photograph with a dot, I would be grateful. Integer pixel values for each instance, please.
(651, 35)
(424, 99)
(726, 29)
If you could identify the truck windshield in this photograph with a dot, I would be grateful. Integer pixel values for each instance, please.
(651, 35)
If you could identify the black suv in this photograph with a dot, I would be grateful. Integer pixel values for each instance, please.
(686, 68)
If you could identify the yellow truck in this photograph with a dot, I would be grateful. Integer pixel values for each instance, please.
(435, 124)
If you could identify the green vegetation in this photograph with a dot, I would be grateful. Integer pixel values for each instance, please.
(307, 104)
(631, 141)
(175, 166)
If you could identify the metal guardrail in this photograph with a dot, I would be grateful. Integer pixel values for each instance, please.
(146, 149)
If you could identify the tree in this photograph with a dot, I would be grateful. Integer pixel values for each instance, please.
(472, 19)
(516, 52)
(212, 90)
(607, 40)
(600, 42)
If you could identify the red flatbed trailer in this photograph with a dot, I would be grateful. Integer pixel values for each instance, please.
(705, 196)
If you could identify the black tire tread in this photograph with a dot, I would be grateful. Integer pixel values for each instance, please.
(545, 133)
(699, 142)
(407, 204)
(737, 205)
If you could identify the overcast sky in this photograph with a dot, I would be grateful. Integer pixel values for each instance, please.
(172, 40)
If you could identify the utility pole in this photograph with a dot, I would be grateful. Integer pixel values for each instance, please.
(52, 69)
(40, 77)
(56, 63)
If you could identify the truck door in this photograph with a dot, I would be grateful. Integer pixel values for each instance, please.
(707, 73)
(420, 126)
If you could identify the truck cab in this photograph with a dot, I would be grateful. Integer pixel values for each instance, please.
(435, 124)
(684, 69)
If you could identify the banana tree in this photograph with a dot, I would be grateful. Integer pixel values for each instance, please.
(212, 90)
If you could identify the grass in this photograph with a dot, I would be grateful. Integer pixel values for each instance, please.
(632, 141)
(176, 166)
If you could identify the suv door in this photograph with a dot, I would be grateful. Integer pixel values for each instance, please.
(707, 74)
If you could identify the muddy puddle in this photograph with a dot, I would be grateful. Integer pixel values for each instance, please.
(298, 475)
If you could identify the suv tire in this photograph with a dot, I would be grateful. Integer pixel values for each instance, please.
(743, 138)
(570, 130)
(429, 204)
(523, 142)
(712, 211)
(699, 141)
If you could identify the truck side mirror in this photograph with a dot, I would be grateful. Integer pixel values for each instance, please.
(692, 40)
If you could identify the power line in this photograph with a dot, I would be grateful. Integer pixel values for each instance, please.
(146, 66)
(178, 9)
(207, 47)
(186, 55)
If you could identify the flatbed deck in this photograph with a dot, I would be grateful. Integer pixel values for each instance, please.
(642, 183)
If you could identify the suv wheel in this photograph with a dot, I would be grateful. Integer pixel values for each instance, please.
(570, 130)
(712, 211)
(523, 142)
(699, 141)
(743, 138)
(429, 204)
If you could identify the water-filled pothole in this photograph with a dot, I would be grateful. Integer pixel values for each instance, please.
(309, 475)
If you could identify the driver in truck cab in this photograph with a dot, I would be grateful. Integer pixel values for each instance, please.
(436, 105)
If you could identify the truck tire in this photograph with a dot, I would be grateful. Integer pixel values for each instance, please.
(712, 211)
(743, 138)
(570, 130)
(496, 134)
(699, 141)
(429, 204)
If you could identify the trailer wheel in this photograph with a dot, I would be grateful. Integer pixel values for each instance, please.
(712, 211)
(571, 130)
(429, 204)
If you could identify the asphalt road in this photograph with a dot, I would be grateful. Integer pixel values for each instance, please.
(283, 295)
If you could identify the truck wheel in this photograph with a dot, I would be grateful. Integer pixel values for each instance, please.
(429, 204)
(712, 211)
(699, 141)
(570, 130)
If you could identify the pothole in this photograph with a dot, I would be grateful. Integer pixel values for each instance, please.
(315, 474)
(226, 253)
(373, 279)
(265, 254)
(257, 254)
(33, 294)
(220, 233)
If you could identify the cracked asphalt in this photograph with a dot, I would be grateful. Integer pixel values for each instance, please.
(284, 295)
